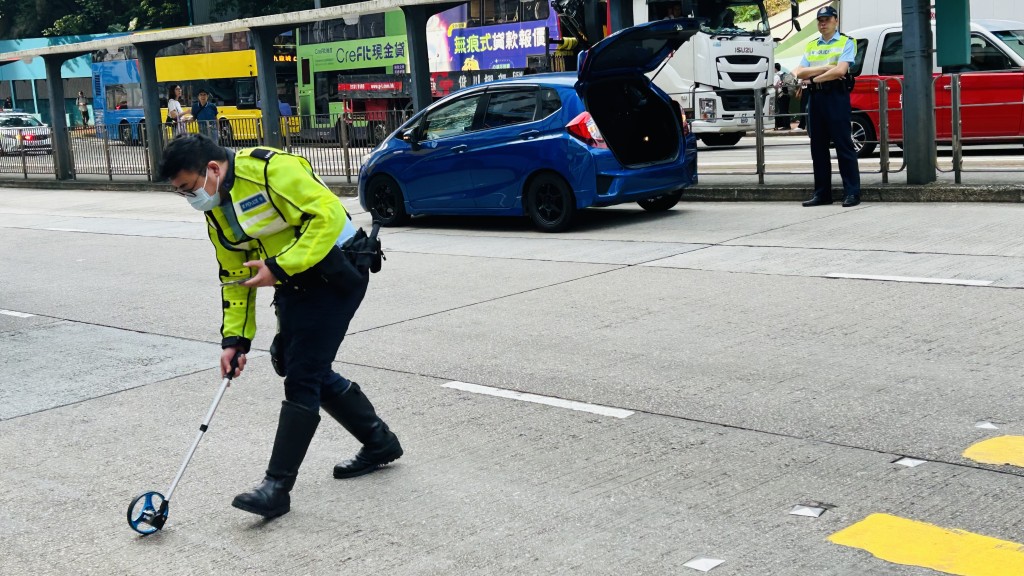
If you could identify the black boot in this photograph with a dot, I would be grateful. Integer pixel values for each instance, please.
(295, 430)
(380, 445)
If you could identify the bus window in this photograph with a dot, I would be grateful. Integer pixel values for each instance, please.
(305, 71)
(245, 94)
(124, 96)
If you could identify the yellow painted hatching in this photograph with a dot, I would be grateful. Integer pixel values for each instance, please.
(1000, 450)
(914, 543)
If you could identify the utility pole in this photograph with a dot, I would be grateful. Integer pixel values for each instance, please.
(918, 94)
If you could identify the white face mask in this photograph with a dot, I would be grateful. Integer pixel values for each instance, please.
(201, 199)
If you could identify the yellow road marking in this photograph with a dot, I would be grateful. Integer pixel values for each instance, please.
(999, 450)
(914, 543)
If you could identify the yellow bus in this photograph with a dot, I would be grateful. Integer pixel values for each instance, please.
(225, 67)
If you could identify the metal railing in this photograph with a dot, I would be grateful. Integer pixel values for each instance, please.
(26, 151)
(335, 144)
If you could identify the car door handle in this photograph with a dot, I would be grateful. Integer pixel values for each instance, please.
(460, 148)
(947, 87)
(530, 134)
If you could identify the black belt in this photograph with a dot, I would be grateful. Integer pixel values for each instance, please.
(831, 85)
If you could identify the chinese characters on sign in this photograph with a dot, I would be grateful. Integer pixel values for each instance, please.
(370, 52)
(500, 41)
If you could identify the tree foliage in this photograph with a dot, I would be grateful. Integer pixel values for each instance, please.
(33, 18)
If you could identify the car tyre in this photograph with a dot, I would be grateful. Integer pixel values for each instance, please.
(550, 203)
(661, 203)
(863, 132)
(385, 200)
(727, 139)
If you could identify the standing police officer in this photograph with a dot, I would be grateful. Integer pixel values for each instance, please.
(274, 223)
(826, 66)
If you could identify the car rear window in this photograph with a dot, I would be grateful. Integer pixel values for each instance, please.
(18, 121)
(549, 102)
(511, 107)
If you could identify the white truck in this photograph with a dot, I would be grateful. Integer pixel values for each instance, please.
(714, 75)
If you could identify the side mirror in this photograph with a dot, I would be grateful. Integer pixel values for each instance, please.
(794, 9)
(411, 138)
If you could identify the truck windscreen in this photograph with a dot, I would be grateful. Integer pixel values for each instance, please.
(732, 17)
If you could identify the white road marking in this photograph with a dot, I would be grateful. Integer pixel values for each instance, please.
(63, 229)
(557, 402)
(953, 281)
(16, 314)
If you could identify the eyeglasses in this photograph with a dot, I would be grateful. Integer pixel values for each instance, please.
(190, 192)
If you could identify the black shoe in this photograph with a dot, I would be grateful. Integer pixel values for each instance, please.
(851, 201)
(270, 499)
(818, 200)
(354, 411)
(295, 430)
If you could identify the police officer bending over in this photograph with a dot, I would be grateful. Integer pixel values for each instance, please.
(826, 65)
(274, 223)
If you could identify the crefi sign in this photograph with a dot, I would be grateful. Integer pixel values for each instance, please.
(355, 54)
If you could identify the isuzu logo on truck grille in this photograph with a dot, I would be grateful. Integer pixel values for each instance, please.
(744, 50)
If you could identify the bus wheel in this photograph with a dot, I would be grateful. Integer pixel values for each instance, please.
(124, 133)
(227, 136)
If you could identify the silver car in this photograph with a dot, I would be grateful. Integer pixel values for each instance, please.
(21, 132)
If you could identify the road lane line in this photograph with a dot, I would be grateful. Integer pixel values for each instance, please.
(16, 314)
(912, 543)
(537, 399)
(63, 229)
(1000, 450)
(952, 281)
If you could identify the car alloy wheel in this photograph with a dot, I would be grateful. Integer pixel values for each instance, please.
(387, 205)
(550, 203)
(863, 134)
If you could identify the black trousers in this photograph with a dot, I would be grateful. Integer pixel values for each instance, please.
(829, 121)
(312, 322)
(782, 118)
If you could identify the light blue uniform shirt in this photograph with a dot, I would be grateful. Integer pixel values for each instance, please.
(848, 51)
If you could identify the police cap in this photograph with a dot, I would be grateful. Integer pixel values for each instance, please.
(827, 12)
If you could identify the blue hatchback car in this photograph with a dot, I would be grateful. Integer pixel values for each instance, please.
(544, 145)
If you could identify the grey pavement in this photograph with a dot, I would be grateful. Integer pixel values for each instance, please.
(757, 382)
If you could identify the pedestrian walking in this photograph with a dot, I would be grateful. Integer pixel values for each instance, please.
(83, 107)
(175, 113)
(205, 112)
(826, 68)
(273, 223)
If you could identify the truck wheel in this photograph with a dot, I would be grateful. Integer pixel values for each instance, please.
(863, 135)
(727, 139)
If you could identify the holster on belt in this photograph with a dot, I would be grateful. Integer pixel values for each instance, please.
(350, 263)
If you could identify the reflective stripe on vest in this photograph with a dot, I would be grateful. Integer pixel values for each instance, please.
(826, 54)
(257, 215)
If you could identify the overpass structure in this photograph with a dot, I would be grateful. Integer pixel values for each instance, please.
(263, 30)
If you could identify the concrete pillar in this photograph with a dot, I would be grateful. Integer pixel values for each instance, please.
(416, 43)
(266, 84)
(621, 14)
(419, 60)
(62, 161)
(919, 119)
(151, 104)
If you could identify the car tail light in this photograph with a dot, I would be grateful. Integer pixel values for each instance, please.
(28, 136)
(585, 129)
